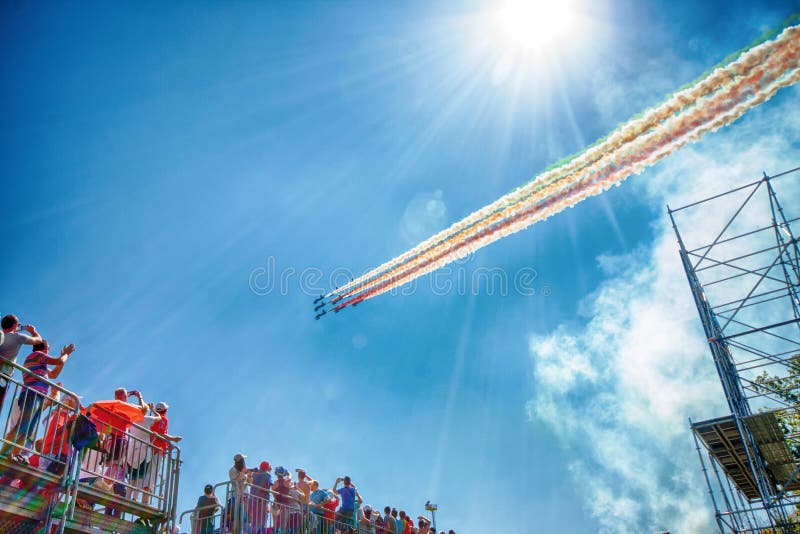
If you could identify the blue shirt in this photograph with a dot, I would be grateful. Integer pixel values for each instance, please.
(317, 497)
(348, 494)
(261, 483)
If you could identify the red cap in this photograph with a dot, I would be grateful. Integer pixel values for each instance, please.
(264, 466)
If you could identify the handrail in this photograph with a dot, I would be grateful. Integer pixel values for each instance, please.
(66, 485)
(198, 509)
(240, 513)
(161, 462)
(142, 445)
(24, 370)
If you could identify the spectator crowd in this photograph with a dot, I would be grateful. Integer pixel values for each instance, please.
(122, 445)
(263, 501)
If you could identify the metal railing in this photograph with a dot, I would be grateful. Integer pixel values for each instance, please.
(131, 460)
(259, 510)
(130, 470)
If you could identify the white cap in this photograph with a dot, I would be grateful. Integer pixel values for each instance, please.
(161, 407)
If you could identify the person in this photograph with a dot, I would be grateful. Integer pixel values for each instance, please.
(405, 523)
(160, 441)
(139, 456)
(303, 483)
(31, 399)
(424, 526)
(303, 486)
(262, 480)
(296, 512)
(207, 506)
(281, 488)
(330, 511)
(366, 525)
(56, 445)
(116, 427)
(409, 525)
(240, 477)
(389, 524)
(397, 522)
(11, 339)
(259, 497)
(348, 494)
(316, 504)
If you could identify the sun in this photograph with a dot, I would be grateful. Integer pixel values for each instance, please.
(533, 25)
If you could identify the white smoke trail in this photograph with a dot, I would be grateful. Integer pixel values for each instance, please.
(722, 97)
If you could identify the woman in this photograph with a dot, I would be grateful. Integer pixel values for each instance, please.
(366, 524)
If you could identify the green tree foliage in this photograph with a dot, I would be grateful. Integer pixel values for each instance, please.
(786, 388)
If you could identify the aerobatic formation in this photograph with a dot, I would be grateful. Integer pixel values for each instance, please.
(713, 102)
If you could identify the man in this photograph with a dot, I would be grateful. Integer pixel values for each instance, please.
(31, 399)
(240, 477)
(404, 519)
(11, 339)
(424, 526)
(397, 522)
(303, 482)
(148, 443)
(348, 494)
(262, 480)
(388, 521)
(207, 506)
(160, 440)
(116, 427)
(258, 510)
(316, 503)
(330, 511)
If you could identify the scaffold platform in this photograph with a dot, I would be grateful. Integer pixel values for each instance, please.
(724, 442)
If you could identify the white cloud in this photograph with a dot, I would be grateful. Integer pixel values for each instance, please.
(618, 392)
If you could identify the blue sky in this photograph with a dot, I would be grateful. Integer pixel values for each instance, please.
(156, 156)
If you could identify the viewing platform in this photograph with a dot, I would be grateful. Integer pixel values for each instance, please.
(68, 468)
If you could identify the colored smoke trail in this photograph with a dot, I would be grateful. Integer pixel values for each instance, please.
(713, 102)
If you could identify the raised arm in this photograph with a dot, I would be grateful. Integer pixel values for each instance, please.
(156, 415)
(142, 404)
(60, 361)
(171, 438)
(34, 338)
(336, 484)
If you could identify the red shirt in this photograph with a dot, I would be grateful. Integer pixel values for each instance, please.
(330, 508)
(56, 437)
(160, 427)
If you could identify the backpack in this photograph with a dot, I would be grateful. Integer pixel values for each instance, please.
(84, 433)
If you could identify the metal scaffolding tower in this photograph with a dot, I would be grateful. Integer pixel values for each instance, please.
(741, 255)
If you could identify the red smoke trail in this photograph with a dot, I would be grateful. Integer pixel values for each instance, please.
(713, 102)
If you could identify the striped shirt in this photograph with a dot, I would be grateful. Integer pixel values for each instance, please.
(35, 363)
